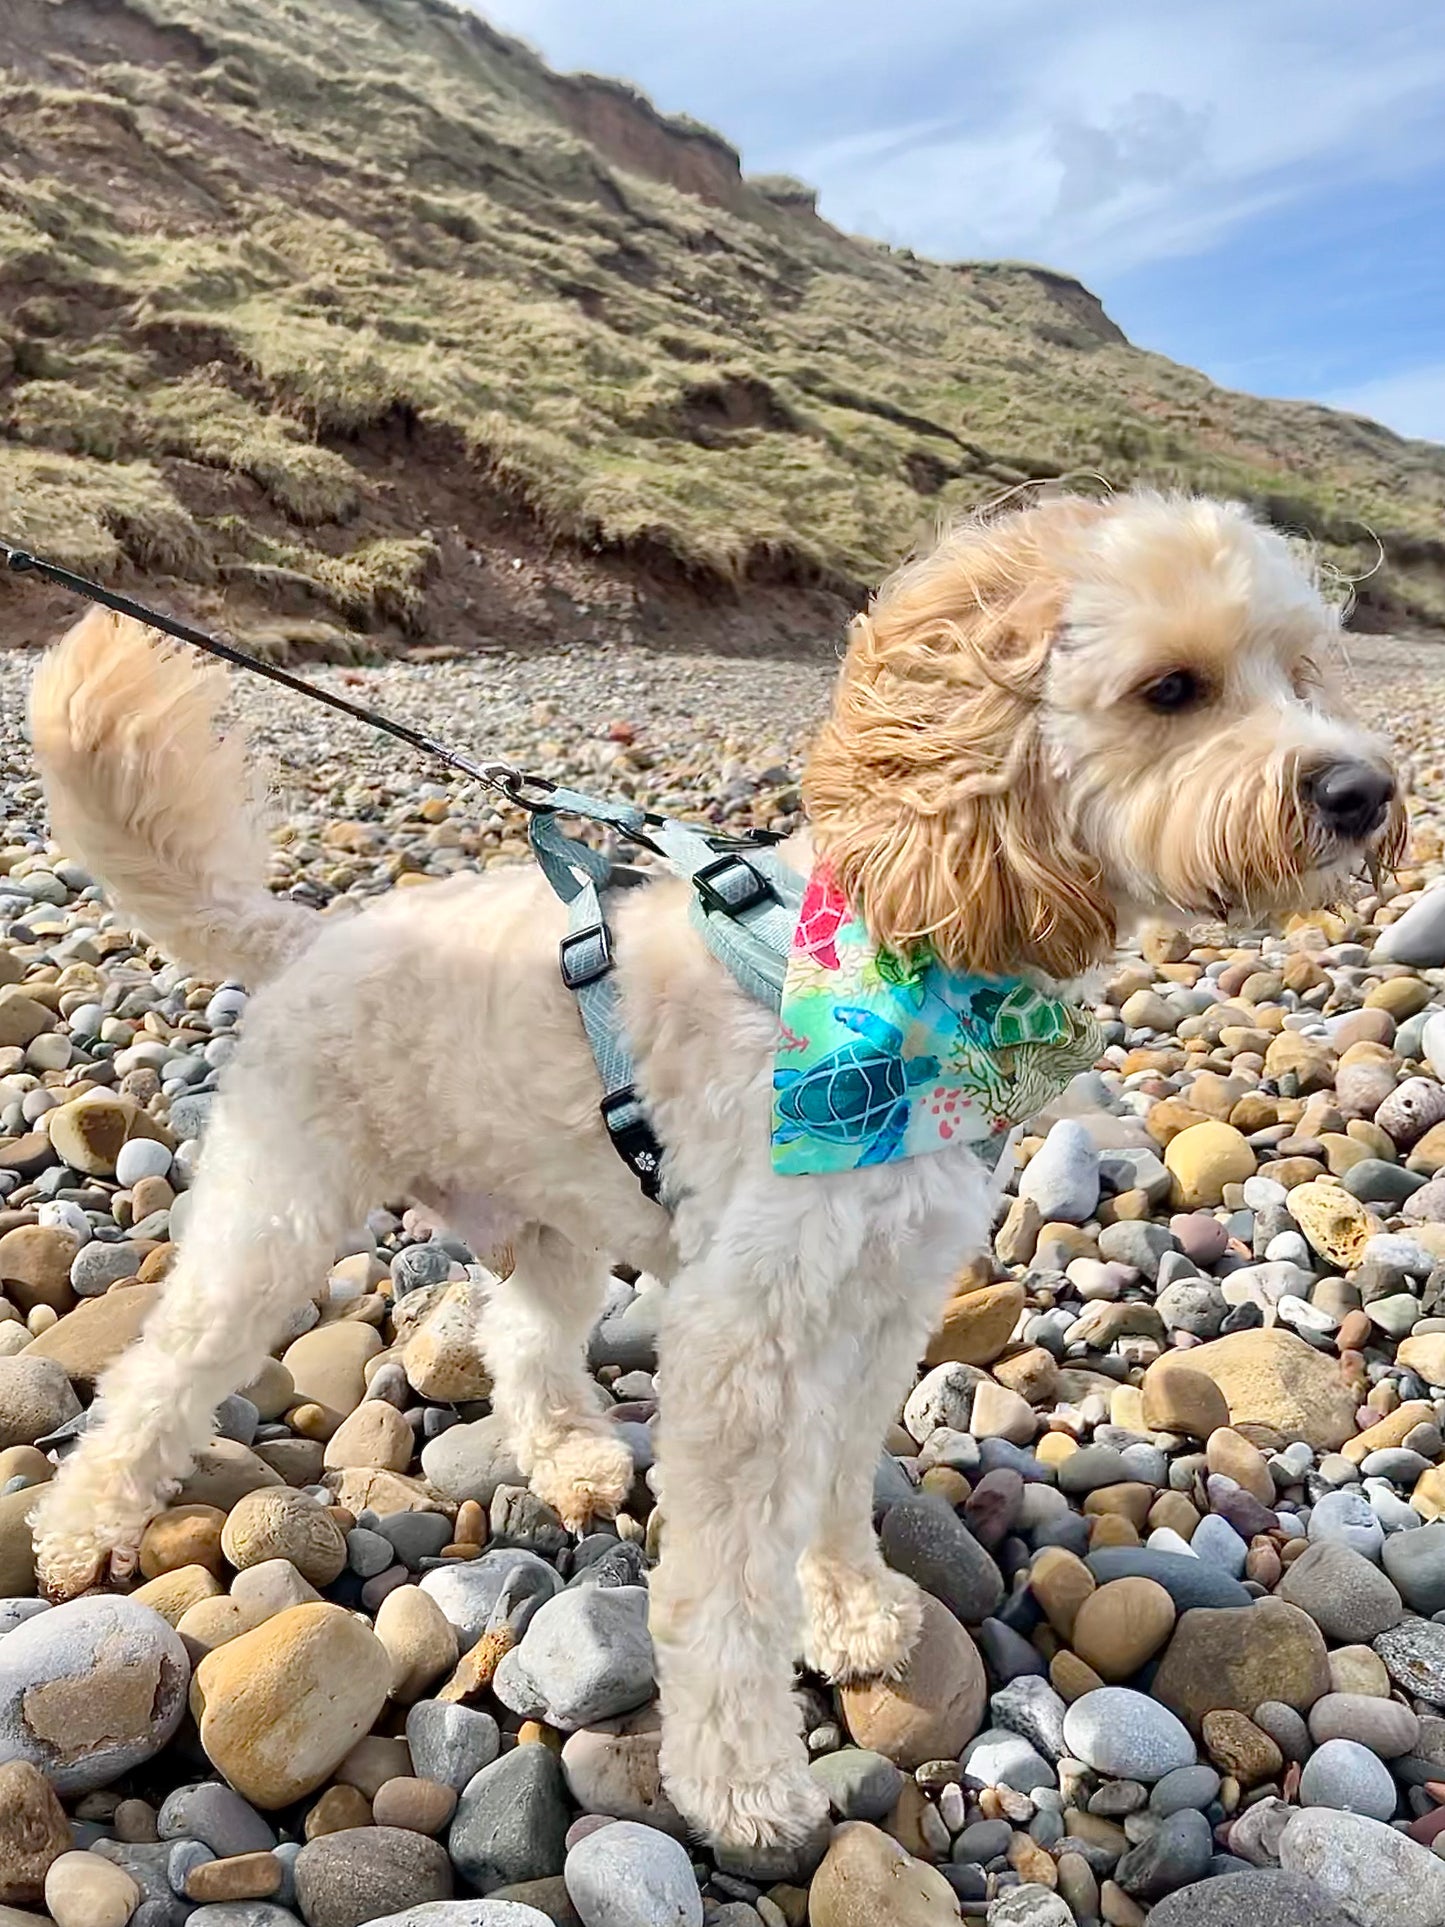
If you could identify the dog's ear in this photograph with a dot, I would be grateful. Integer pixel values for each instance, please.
(929, 788)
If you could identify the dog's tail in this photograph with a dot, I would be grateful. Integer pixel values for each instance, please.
(158, 805)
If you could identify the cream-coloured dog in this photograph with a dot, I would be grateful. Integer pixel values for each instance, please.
(1060, 720)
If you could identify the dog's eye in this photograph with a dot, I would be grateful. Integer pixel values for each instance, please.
(1180, 689)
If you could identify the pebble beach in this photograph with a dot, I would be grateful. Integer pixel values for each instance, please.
(1171, 1480)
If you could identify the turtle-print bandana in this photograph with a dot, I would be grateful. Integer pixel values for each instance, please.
(881, 1060)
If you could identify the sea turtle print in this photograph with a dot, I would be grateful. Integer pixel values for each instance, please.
(858, 1094)
(882, 1057)
(824, 912)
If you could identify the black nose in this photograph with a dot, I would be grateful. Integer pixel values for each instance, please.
(1350, 798)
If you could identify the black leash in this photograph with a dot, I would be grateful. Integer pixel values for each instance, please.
(528, 790)
(496, 774)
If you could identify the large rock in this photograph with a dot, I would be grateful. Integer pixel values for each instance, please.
(1378, 1877)
(92, 1336)
(33, 1832)
(1274, 1380)
(934, 1706)
(35, 1399)
(585, 1656)
(89, 1131)
(90, 1690)
(1347, 1596)
(280, 1707)
(867, 1878)
(1236, 1660)
(1264, 1897)
(628, 1875)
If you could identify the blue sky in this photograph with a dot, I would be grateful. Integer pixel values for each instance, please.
(1256, 187)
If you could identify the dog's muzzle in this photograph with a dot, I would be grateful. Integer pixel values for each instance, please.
(1351, 800)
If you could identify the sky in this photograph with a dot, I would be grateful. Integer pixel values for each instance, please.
(1254, 187)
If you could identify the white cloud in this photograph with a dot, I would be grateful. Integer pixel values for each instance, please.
(1097, 137)
(1412, 402)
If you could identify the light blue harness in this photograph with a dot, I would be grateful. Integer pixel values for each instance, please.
(745, 905)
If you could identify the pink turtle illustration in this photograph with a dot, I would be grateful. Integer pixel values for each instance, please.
(825, 910)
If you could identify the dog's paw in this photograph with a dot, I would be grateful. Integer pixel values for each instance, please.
(68, 1565)
(753, 1822)
(586, 1476)
(861, 1625)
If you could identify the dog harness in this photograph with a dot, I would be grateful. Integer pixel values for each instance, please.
(877, 1060)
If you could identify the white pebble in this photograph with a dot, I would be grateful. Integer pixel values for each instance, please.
(82, 1890)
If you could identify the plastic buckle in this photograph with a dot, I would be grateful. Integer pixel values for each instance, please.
(585, 955)
(633, 1138)
(731, 885)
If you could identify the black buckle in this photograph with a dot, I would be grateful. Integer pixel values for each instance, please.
(731, 885)
(633, 1138)
(585, 955)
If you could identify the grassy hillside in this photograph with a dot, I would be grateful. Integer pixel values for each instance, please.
(332, 312)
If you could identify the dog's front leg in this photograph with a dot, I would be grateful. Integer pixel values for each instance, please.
(754, 1353)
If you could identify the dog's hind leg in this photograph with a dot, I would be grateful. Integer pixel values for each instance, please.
(534, 1335)
(281, 1182)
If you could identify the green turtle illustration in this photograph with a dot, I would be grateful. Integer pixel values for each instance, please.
(1027, 1016)
(858, 1094)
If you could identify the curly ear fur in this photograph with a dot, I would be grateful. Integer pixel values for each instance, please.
(929, 788)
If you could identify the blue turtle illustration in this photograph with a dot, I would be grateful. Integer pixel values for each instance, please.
(857, 1094)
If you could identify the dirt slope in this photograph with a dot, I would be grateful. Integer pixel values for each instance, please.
(350, 326)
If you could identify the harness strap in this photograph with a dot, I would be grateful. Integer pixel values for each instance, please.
(587, 965)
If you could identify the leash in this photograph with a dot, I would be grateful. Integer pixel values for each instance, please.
(745, 901)
(496, 774)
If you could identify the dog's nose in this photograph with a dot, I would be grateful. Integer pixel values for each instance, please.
(1350, 798)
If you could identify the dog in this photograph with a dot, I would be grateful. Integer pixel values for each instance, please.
(1061, 720)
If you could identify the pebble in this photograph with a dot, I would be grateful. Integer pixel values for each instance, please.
(451, 1743)
(511, 1821)
(35, 1399)
(1263, 1897)
(925, 1539)
(346, 1879)
(82, 1890)
(932, 1707)
(34, 1832)
(1344, 1593)
(867, 1878)
(1349, 1778)
(1121, 1733)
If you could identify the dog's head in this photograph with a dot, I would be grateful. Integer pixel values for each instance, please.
(1083, 713)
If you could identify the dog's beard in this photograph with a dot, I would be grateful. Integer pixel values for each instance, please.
(1241, 847)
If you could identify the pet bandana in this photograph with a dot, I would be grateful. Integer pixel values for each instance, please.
(881, 1060)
